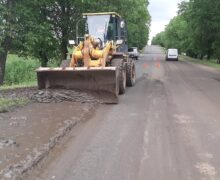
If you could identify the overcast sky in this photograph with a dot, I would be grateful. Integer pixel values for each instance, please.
(161, 12)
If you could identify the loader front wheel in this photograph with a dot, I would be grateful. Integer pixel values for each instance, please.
(122, 74)
(131, 74)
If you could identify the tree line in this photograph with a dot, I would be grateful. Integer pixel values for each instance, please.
(195, 30)
(42, 28)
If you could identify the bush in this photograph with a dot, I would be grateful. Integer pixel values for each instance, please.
(20, 70)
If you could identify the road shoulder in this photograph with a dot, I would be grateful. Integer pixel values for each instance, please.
(28, 133)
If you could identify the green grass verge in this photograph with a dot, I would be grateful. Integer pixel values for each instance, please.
(5, 103)
(21, 85)
(210, 63)
(20, 70)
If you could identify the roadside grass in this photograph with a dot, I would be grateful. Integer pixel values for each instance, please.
(21, 85)
(211, 63)
(6, 103)
(20, 70)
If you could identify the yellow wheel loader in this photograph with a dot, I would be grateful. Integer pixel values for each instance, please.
(99, 62)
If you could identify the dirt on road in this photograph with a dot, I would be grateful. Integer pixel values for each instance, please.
(50, 95)
(166, 127)
(28, 133)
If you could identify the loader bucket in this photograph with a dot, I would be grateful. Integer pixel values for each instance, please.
(103, 82)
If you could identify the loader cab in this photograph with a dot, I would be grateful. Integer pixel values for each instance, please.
(107, 27)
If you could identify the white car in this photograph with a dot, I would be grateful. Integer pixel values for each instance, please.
(133, 52)
(172, 54)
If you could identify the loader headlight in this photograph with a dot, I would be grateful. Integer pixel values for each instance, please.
(98, 42)
(122, 24)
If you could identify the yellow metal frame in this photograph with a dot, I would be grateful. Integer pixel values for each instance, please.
(87, 49)
(101, 13)
(86, 52)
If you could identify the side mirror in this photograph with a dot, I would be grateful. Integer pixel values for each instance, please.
(122, 25)
(119, 42)
(72, 42)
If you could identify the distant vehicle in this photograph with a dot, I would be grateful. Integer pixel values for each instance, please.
(172, 54)
(133, 52)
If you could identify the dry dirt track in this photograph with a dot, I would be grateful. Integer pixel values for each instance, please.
(167, 127)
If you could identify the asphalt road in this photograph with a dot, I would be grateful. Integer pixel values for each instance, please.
(167, 127)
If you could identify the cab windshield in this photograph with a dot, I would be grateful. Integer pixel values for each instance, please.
(98, 26)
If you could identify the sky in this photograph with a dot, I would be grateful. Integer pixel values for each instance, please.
(161, 11)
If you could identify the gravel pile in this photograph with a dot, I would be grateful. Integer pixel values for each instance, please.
(7, 143)
(51, 95)
(59, 95)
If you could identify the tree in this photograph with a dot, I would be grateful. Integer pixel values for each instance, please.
(7, 31)
(135, 14)
(159, 39)
(216, 48)
(57, 20)
(42, 28)
(196, 28)
(203, 19)
(174, 36)
(48, 27)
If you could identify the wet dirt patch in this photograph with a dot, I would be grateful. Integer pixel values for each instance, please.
(28, 134)
(50, 95)
(59, 95)
(18, 92)
(13, 99)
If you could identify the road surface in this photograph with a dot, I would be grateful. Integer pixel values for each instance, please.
(167, 127)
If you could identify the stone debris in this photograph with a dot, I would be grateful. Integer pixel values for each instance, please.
(56, 96)
(7, 143)
(52, 95)
(15, 124)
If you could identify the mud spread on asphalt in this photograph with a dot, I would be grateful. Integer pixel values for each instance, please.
(27, 134)
(47, 96)
(51, 95)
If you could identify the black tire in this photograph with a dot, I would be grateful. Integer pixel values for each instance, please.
(122, 74)
(131, 73)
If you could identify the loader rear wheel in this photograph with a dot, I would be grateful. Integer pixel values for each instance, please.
(122, 74)
(131, 74)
